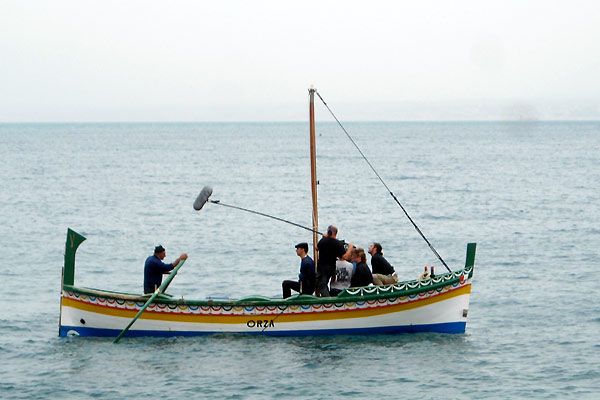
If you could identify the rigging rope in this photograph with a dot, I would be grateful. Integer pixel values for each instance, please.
(384, 184)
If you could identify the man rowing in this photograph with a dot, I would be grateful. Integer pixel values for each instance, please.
(154, 268)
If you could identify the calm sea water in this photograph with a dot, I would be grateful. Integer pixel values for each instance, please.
(527, 193)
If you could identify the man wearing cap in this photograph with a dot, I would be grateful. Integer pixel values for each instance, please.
(307, 276)
(155, 268)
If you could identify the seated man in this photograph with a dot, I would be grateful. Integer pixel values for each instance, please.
(307, 277)
(342, 277)
(362, 274)
(383, 272)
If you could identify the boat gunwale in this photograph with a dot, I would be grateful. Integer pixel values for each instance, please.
(360, 294)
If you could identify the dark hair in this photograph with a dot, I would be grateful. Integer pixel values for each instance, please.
(303, 246)
(377, 247)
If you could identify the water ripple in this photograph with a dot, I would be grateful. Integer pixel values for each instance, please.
(533, 322)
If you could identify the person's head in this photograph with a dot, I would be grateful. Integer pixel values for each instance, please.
(332, 231)
(349, 254)
(160, 252)
(302, 249)
(358, 255)
(374, 248)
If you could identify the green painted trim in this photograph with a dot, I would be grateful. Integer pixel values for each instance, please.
(470, 260)
(74, 239)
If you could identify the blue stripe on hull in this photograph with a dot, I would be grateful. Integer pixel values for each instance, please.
(449, 327)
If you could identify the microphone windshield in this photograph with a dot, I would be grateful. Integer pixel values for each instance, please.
(202, 198)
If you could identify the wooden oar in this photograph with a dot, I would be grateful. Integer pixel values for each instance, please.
(160, 290)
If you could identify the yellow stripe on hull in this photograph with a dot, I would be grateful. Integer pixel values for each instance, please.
(281, 316)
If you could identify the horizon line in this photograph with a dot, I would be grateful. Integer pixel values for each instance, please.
(299, 121)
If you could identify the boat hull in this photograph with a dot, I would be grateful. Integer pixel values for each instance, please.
(427, 307)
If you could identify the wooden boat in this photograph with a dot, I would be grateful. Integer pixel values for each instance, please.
(437, 304)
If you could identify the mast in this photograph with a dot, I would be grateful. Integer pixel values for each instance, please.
(313, 172)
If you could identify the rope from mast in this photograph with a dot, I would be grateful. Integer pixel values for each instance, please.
(384, 184)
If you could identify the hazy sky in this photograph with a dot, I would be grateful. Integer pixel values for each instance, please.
(254, 60)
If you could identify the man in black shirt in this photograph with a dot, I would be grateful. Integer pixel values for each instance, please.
(383, 272)
(330, 249)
